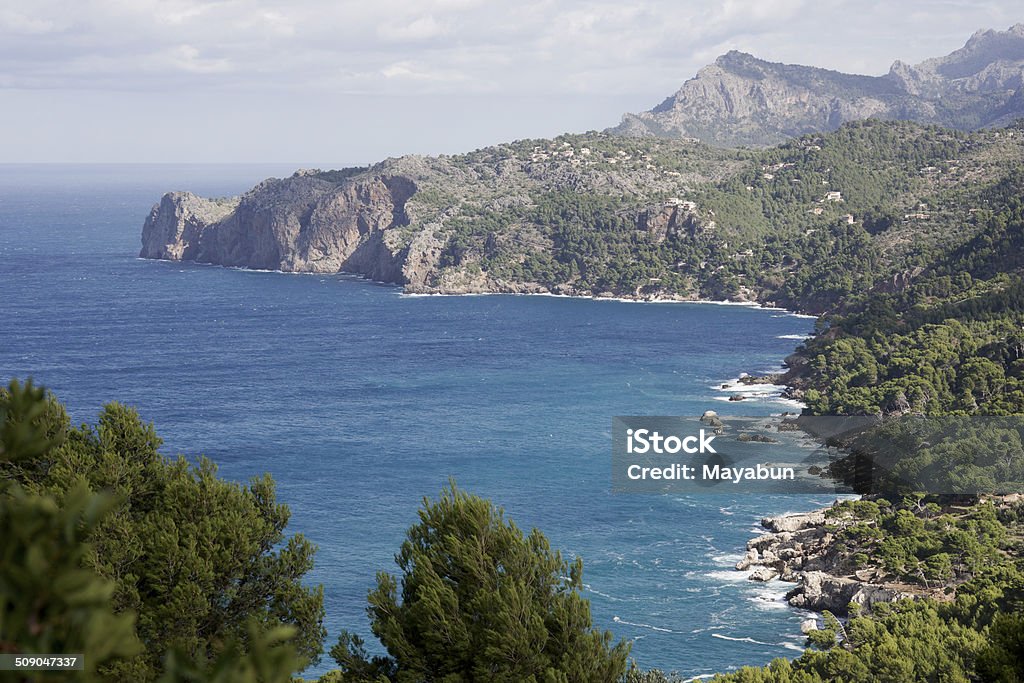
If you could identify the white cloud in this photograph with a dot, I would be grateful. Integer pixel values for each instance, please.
(188, 58)
(281, 55)
(412, 71)
(529, 47)
(18, 23)
(423, 28)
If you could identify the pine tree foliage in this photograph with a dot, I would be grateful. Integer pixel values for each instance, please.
(480, 600)
(150, 568)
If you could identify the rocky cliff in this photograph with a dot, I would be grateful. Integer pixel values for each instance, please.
(433, 223)
(303, 224)
(803, 549)
(742, 100)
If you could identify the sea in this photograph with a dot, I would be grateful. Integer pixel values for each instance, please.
(360, 401)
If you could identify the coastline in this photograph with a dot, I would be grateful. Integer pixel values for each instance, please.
(618, 298)
(407, 293)
(796, 548)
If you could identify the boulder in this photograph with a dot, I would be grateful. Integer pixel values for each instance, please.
(750, 558)
(763, 574)
(795, 522)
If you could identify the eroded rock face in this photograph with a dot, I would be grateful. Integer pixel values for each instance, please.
(174, 226)
(763, 574)
(299, 224)
(801, 549)
(819, 591)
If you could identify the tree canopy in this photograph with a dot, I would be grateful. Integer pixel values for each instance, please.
(151, 567)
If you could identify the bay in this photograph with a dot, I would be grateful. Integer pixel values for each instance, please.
(360, 401)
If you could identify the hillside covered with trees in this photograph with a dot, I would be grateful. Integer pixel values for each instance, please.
(809, 225)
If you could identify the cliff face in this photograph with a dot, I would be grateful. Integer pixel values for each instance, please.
(742, 100)
(303, 224)
(174, 226)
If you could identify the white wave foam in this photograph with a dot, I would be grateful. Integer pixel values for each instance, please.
(732, 576)
(792, 402)
(735, 385)
(739, 640)
(800, 337)
(727, 559)
(771, 600)
(606, 596)
(618, 620)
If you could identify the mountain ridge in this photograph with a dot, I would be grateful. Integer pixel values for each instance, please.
(743, 100)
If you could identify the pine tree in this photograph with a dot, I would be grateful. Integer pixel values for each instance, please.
(480, 600)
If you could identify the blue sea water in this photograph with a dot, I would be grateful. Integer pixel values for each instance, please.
(360, 401)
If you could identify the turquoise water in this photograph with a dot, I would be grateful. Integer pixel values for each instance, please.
(360, 401)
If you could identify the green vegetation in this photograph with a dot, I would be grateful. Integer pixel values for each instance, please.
(595, 246)
(918, 640)
(151, 568)
(919, 541)
(947, 342)
(479, 600)
(811, 224)
(156, 569)
(44, 551)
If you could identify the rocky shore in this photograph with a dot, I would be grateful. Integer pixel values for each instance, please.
(800, 548)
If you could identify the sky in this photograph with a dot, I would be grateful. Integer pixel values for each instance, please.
(337, 82)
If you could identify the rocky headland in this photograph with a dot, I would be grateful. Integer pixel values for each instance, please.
(405, 221)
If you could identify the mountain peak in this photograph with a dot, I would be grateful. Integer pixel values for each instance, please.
(736, 57)
(748, 101)
(981, 35)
